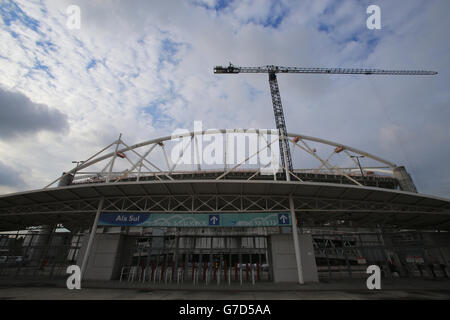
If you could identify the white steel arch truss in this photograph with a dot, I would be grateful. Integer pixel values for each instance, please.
(150, 160)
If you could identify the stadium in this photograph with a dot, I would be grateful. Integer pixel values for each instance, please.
(139, 213)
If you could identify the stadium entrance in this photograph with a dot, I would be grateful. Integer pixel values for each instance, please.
(181, 256)
(231, 247)
(211, 256)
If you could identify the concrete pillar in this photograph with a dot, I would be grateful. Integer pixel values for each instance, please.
(284, 266)
(91, 237)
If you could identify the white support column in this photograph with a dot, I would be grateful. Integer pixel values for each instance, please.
(108, 178)
(225, 152)
(296, 244)
(198, 154)
(91, 238)
(298, 258)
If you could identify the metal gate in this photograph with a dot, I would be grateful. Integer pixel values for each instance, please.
(38, 253)
(399, 254)
(168, 259)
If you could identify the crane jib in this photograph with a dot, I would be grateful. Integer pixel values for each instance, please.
(275, 69)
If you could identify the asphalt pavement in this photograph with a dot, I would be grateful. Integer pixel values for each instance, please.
(349, 289)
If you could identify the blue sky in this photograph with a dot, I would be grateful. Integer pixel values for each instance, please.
(144, 68)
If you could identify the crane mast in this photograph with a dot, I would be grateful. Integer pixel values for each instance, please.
(285, 153)
(280, 122)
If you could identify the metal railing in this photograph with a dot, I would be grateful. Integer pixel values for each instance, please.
(37, 253)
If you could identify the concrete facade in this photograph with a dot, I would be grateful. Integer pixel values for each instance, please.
(110, 251)
(283, 258)
(102, 260)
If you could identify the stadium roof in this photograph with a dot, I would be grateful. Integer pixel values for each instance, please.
(315, 203)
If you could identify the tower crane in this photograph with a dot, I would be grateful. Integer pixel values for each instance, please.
(285, 153)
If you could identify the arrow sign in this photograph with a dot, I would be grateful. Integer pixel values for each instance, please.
(214, 220)
(283, 218)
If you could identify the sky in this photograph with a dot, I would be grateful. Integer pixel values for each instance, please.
(144, 68)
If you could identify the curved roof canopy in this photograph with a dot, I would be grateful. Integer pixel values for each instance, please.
(316, 204)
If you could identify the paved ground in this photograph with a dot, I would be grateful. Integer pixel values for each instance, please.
(131, 294)
(337, 290)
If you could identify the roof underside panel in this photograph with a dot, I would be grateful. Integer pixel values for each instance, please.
(75, 205)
